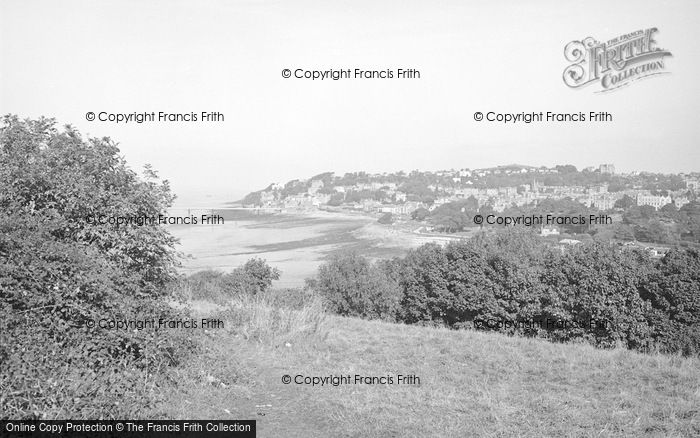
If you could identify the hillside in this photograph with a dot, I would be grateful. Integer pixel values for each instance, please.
(471, 384)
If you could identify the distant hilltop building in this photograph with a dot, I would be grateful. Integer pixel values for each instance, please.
(654, 201)
(607, 168)
(693, 184)
(659, 201)
(602, 201)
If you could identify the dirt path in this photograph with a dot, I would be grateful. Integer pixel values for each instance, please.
(284, 410)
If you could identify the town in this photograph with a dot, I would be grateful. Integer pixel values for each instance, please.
(599, 193)
(402, 194)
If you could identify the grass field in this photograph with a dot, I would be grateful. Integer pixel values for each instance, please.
(471, 383)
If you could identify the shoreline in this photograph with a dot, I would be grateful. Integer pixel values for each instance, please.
(296, 242)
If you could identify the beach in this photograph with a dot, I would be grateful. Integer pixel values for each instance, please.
(296, 244)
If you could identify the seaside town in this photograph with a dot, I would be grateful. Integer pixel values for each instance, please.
(651, 207)
(401, 194)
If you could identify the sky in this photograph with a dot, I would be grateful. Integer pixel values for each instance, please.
(64, 59)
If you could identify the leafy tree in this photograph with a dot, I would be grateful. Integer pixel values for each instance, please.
(425, 288)
(453, 216)
(597, 282)
(674, 293)
(336, 199)
(386, 219)
(353, 286)
(623, 232)
(253, 277)
(568, 168)
(625, 202)
(420, 214)
(61, 269)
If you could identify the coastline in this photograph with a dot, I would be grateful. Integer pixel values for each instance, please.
(296, 242)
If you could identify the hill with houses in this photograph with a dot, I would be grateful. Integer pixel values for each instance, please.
(498, 188)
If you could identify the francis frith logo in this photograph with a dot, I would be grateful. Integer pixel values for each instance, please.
(616, 62)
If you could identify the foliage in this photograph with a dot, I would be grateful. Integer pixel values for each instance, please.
(254, 198)
(598, 283)
(420, 214)
(353, 286)
(452, 217)
(60, 272)
(674, 293)
(254, 277)
(336, 199)
(386, 219)
(510, 281)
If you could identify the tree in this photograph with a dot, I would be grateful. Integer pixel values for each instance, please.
(62, 268)
(625, 202)
(386, 219)
(420, 214)
(674, 293)
(336, 199)
(568, 168)
(424, 285)
(259, 274)
(597, 282)
(454, 216)
(353, 286)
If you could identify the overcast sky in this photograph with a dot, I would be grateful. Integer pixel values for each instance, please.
(63, 59)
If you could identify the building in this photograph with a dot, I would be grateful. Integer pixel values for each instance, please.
(549, 231)
(655, 201)
(267, 198)
(602, 201)
(693, 184)
(607, 168)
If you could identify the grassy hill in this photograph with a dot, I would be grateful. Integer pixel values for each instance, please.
(471, 383)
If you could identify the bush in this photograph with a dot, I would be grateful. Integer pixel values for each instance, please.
(386, 219)
(598, 282)
(352, 286)
(254, 277)
(511, 282)
(58, 273)
(674, 293)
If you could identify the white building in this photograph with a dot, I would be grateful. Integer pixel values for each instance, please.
(655, 201)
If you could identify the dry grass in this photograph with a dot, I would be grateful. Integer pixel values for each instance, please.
(259, 319)
(472, 383)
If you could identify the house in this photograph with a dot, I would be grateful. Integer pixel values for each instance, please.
(549, 231)
(371, 206)
(653, 200)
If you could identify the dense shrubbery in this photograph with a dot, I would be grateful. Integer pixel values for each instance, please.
(253, 278)
(511, 282)
(355, 287)
(673, 289)
(252, 309)
(58, 273)
(667, 225)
